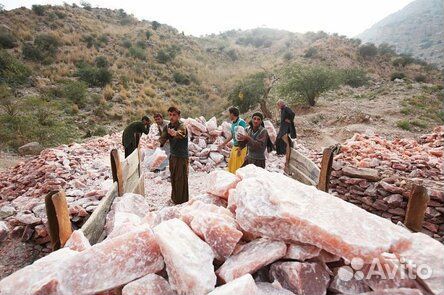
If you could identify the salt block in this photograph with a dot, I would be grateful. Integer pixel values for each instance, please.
(216, 225)
(38, 276)
(209, 199)
(344, 282)
(398, 291)
(189, 260)
(271, 130)
(244, 285)
(273, 205)
(111, 263)
(272, 288)
(301, 251)
(426, 259)
(151, 284)
(327, 257)
(251, 258)
(221, 181)
(302, 278)
(77, 241)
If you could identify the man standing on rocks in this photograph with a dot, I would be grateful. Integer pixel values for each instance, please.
(287, 129)
(131, 134)
(256, 141)
(237, 154)
(177, 135)
(161, 125)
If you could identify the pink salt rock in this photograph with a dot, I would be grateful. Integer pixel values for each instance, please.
(211, 124)
(189, 260)
(301, 278)
(216, 157)
(111, 263)
(398, 291)
(327, 257)
(275, 206)
(344, 282)
(156, 159)
(221, 181)
(37, 277)
(272, 288)
(215, 225)
(209, 199)
(77, 241)
(301, 251)
(426, 259)
(244, 285)
(151, 284)
(251, 258)
(271, 130)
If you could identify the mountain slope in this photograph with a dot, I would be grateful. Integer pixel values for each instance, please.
(417, 29)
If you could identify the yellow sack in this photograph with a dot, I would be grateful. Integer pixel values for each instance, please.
(235, 161)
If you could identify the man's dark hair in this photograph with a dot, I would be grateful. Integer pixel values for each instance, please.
(158, 115)
(234, 111)
(173, 110)
(145, 118)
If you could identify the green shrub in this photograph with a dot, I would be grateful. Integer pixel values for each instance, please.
(167, 54)
(148, 34)
(76, 92)
(181, 78)
(420, 78)
(137, 52)
(100, 131)
(101, 62)
(155, 25)
(126, 43)
(288, 56)
(311, 52)
(307, 83)
(232, 54)
(403, 124)
(248, 91)
(397, 75)
(368, 50)
(38, 9)
(354, 77)
(7, 40)
(43, 49)
(141, 44)
(12, 71)
(386, 49)
(94, 76)
(86, 5)
(103, 39)
(89, 40)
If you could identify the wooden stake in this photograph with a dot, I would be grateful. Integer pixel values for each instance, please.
(59, 222)
(116, 168)
(326, 163)
(416, 208)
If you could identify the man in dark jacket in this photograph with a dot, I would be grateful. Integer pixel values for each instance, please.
(132, 133)
(177, 135)
(287, 129)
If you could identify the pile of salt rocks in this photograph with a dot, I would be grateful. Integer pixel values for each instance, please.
(203, 146)
(255, 232)
(81, 170)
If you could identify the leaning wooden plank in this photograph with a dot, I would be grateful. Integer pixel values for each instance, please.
(140, 186)
(116, 169)
(93, 227)
(131, 183)
(416, 208)
(300, 176)
(59, 223)
(62, 212)
(324, 175)
(304, 164)
(130, 165)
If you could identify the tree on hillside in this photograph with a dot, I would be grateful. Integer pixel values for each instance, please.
(253, 90)
(307, 83)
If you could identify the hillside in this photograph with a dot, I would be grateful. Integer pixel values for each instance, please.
(416, 29)
(76, 72)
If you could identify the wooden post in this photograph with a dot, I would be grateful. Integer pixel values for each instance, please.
(116, 168)
(416, 208)
(326, 163)
(59, 222)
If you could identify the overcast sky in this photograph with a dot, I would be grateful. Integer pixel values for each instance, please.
(200, 17)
